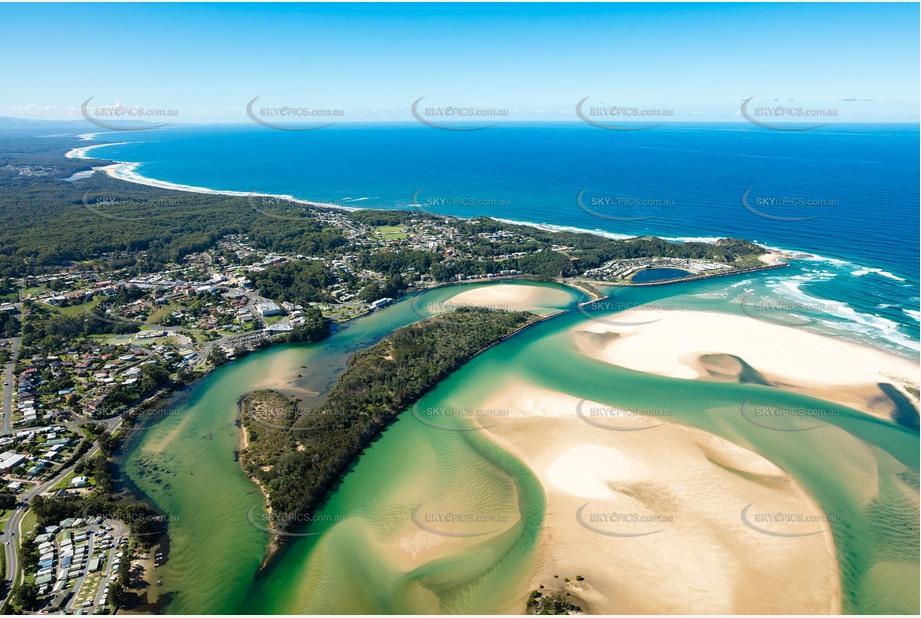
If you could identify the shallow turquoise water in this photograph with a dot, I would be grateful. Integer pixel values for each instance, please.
(343, 569)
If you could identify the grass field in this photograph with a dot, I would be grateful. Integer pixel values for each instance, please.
(29, 522)
(36, 290)
(80, 308)
(391, 232)
(157, 316)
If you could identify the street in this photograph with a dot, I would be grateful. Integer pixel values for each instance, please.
(8, 387)
(11, 534)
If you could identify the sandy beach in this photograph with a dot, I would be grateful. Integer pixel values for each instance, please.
(697, 345)
(82, 152)
(509, 297)
(772, 259)
(668, 520)
(128, 173)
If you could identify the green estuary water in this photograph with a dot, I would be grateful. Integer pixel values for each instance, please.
(185, 461)
(863, 472)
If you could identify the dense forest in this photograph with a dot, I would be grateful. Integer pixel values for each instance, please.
(46, 222)
(298, 282)
(297, 455)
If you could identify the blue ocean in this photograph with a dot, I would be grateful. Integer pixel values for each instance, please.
(845, 198)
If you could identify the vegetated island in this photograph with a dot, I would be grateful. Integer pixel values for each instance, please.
(295, 455)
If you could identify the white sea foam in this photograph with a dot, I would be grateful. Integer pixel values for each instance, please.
(550, 227)
(564, 228)
(821, 258)
(849, 322)
(866, 270)
(706, 239)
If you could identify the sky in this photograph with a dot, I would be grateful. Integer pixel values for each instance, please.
(537, 61)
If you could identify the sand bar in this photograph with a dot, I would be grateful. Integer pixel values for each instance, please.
(698, 345)
(655, 521)
(510, 297)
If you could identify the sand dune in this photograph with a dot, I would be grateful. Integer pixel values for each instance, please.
(668, 520)
(699, 345)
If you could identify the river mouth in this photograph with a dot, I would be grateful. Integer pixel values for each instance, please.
(366, 551)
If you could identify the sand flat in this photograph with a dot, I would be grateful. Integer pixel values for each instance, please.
(653, 520)
(510, 297)
(698, 345)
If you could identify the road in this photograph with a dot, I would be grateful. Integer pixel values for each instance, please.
(12, 533)
(117, 533)
(7, 419)
(8, 387)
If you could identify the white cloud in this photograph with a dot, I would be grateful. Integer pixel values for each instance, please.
(46, 112)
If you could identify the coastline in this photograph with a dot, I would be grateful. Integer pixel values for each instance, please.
(80, 151)
(871, 324)
(774, 259)
(127, 172)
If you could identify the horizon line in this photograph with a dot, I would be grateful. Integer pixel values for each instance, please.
(412, 122)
